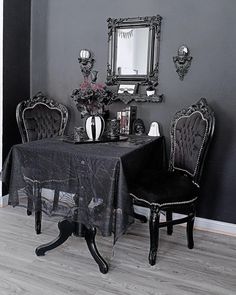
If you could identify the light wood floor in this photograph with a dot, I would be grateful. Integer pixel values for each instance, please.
(208, 269)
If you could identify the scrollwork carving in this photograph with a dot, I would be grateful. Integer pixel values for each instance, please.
(126, 98)
(152, 63)
(182, 61)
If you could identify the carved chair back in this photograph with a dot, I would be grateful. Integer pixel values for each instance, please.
(40, 117)
(191, 133)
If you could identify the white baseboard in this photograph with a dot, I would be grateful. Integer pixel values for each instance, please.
(213, 225)
(200, 223)
(4, 201)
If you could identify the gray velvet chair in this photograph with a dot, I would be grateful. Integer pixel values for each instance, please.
(177, 188)
(39, 118)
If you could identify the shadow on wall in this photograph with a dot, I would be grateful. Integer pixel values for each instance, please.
(214, 179)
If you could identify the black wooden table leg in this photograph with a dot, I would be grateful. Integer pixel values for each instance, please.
(90, 239)
(79, 230)
(66, 229)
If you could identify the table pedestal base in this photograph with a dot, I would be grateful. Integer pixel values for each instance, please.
(67, 228)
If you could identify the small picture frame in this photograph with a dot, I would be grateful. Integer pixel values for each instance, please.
(127, 88)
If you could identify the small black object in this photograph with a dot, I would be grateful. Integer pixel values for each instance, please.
(138, 127)
(113, 128)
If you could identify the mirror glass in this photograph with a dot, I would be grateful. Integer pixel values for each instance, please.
(132, 51)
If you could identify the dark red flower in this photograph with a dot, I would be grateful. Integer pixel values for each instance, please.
(91, 98)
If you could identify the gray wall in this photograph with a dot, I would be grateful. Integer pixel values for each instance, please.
(61, 28)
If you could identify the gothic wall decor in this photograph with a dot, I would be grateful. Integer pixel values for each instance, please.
(182, 61)
(86, 64)
(133, 49)
(133, 56)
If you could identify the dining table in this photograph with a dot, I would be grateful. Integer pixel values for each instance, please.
(92, 179)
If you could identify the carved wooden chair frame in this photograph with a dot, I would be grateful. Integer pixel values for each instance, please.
(39, 99)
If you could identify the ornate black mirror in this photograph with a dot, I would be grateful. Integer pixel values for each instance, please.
(133, 50)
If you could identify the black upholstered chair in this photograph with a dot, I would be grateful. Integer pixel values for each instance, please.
(177, 189)
(40, 118)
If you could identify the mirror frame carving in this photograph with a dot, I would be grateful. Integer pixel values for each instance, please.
(154, 25)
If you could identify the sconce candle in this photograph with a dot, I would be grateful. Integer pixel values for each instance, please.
(84, 54)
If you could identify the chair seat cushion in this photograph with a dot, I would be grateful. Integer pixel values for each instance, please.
(164, 188)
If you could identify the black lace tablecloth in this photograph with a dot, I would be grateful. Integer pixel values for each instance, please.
(92, 179)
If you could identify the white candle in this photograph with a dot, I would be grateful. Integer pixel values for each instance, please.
(84, 53)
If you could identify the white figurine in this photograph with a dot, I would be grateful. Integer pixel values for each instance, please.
(154, 129)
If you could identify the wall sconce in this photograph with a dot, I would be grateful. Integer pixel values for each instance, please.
(182, 61)
(86, 63)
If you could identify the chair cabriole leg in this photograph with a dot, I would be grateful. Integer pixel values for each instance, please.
(38, 206)
(189, 231)
(30, 204)
(154, 234)
(170, 226)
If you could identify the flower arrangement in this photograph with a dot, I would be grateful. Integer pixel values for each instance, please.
(91, 98)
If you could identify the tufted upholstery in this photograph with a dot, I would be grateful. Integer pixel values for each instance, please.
(191, 130)
(40, 118)
(189, 137)
(177, 189)
(42, 122)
